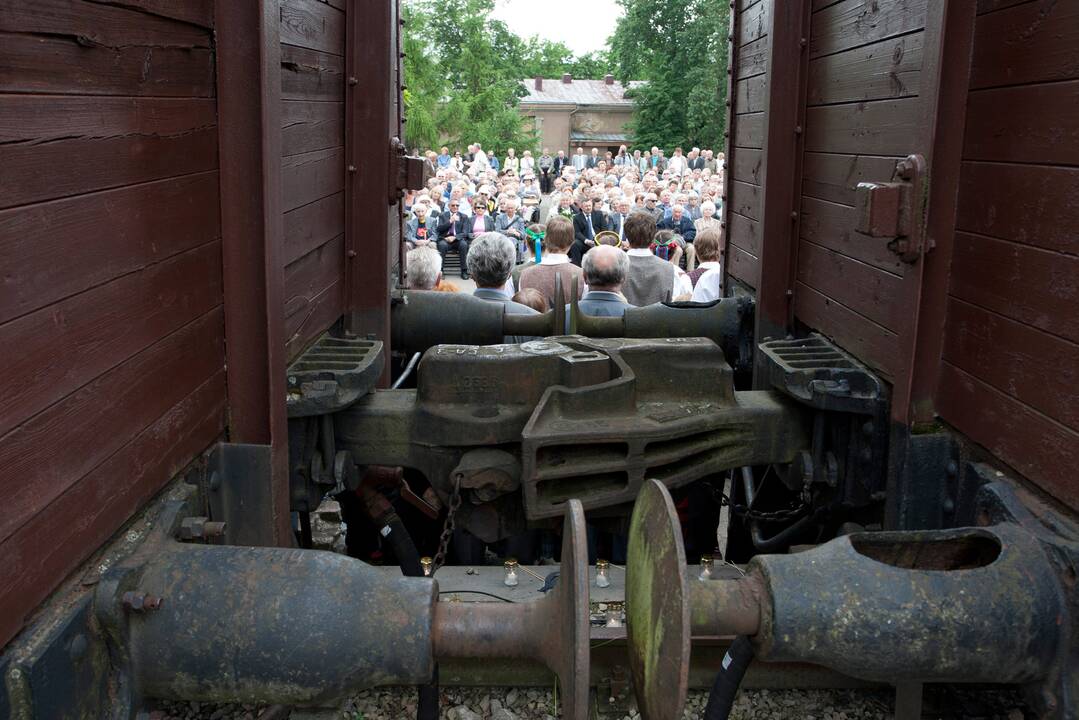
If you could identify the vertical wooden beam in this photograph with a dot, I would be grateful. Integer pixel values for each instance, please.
(949, 45)
(728, 135)
(370, 123)
(788, 62)
(249, 142)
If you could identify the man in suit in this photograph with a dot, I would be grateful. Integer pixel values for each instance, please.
(661, 163)
(560, 162)
(453, 234)
(491, 263)
(586, 223)
(696, 160)
(617, 220)
(580, 160)
(604, 272)
(593, 159)
(679, 223)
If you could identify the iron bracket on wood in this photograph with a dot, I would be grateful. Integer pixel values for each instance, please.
(240, 494)
(896, 209)
(406, 172)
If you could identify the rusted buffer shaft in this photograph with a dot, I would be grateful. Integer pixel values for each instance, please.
(726, 607)
(490, 630)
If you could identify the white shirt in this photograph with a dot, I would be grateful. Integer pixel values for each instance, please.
(710, 284)
(528, 164)
(682, 284)
(554, 259)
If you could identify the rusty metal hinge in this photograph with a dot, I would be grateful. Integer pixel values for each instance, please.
(896, 209)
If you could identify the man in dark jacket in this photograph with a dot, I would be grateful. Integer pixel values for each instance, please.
(679, 223)
(454, 234)
(586, 224)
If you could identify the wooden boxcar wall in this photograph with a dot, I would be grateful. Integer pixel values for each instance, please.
(313, 166)
(744, 176)
(1010, 369)
(111, 317)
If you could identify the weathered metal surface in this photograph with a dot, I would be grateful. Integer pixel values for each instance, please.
(332, 374)
(657, 605)
(424, 319)
(269, 625)
(554, 629)
(936, 599)
(239, 494)
(590, 419)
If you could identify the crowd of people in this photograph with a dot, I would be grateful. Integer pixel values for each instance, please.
(628, 229)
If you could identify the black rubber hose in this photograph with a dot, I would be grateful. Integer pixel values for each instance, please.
(409, 560)
(725, 688)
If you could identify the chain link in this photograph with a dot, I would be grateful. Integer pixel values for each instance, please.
(789, 513)
(447, 528)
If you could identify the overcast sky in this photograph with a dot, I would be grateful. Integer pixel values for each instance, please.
(583, 25)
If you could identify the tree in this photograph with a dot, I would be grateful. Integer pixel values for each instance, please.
(679, 47)
(477, 61)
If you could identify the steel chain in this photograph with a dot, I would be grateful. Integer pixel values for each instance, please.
(447, 528)
(774, 516)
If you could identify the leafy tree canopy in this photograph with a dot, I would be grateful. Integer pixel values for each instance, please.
(679, 47)
(462, 73)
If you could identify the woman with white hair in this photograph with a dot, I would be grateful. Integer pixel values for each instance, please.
(510, 224)
(528, 164)
(708, 217)
(512, 162)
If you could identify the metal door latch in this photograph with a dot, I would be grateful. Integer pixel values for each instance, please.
(406, 172)
(896, 209)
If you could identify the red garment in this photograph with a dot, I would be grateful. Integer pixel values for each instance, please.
(695, 275)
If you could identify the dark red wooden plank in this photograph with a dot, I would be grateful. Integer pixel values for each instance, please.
(834, 177)
(311, 176)
(1034, 367)
(306, 278)
(750, 95)
(745, 233)
(1029, 43)
(754, 22)
(746, 166)
(832, 226)
(312, 225)
(311, 75)
(38, 64)
(196, 12)
(305, 326)
(101, 417)
(866, 340)
(853, 23)
(1034, 286)
(749, 131)
(752, 59)
(1038, 127)
(54, 543)
(882, 127)
(52, 250)
(1028, 204)
(743, 266)
(745, 199)
(314, 25)
(1045, 451)
(66, 345)
(103, 24)
(863, 288)
(886, 69)
(308, 126)
(57, 146)
(987, 6)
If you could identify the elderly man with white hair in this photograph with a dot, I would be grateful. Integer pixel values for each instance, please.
(424, 268)
(604, 270)
(491, 259)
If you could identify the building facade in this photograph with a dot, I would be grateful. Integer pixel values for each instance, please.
(568, 113)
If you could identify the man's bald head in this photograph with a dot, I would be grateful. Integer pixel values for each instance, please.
(604, 268)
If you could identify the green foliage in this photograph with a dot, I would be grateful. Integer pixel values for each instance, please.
(679, 47)
(463, 70)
